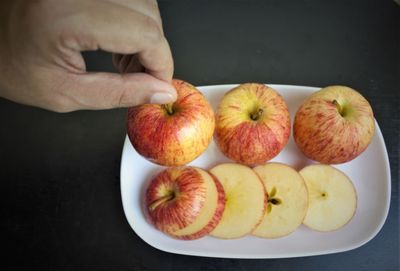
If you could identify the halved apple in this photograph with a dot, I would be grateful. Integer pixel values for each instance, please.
(332, 198)
(245, 199)
(185, 202)
(287, 200)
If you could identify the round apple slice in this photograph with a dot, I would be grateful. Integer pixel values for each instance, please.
(186, 202)
(331, 195)
(287, 200)
(245, 199)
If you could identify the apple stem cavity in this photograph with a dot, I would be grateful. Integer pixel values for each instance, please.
(161, 200)
(339, 107)
(257, 114)
(169, 108)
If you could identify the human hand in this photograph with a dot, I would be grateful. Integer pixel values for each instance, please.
(41, 62)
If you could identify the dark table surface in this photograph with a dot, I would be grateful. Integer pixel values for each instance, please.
(60, 185)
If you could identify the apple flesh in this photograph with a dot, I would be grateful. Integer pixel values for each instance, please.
(252, 124)
(172, 134)
(331, 195)
(185, 202)
(245, 200)
(287, 200)
(334, 125)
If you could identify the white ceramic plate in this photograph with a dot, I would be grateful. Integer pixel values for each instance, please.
(369, 172)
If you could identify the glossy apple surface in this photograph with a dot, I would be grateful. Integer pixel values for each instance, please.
(172, 134)
(252, 124)
(334, 125)
(185, 202)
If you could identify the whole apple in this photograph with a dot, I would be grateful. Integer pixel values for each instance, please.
(185, 202)
(334, 125)
(252, 124)
(172, 134)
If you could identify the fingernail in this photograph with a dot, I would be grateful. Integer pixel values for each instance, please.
(161, 98)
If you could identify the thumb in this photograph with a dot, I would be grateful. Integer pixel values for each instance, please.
(108, 90)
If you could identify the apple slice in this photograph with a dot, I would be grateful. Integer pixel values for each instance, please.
(287, 200)
(245, 200)
(185, 202)
(331, 195)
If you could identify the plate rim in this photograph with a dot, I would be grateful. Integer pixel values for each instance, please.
(378, 133)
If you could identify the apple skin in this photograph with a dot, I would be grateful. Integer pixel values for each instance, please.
(252, 124)
(172, 139)
(324, 135)
(175, 198)
(216, 217)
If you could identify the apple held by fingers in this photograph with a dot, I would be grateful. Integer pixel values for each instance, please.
(332, 198)
(245, 200)
(172, 134)
(334, 125)
(252, 124)
(185, 202)
(287, 200)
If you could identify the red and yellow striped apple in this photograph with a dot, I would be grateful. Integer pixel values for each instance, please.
(252, 124)
(185, 202)
(334, 125)
(172, 134)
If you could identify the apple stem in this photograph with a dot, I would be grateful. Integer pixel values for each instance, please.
(169, 108)
(338, 106)
(159, 201)
(256, 115)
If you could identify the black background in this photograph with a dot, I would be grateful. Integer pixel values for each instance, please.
(60, 196)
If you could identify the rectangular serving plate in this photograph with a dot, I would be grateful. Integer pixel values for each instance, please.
(370, 173)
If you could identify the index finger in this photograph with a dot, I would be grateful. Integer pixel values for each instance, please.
(157, 60)
(124, 31)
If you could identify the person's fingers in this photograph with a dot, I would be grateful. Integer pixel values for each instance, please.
(108, 90)
(146, 7)
(133, 65)
(127, 63)
(126, 32)
(158, 61)
(112, 28)
(116, 58)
